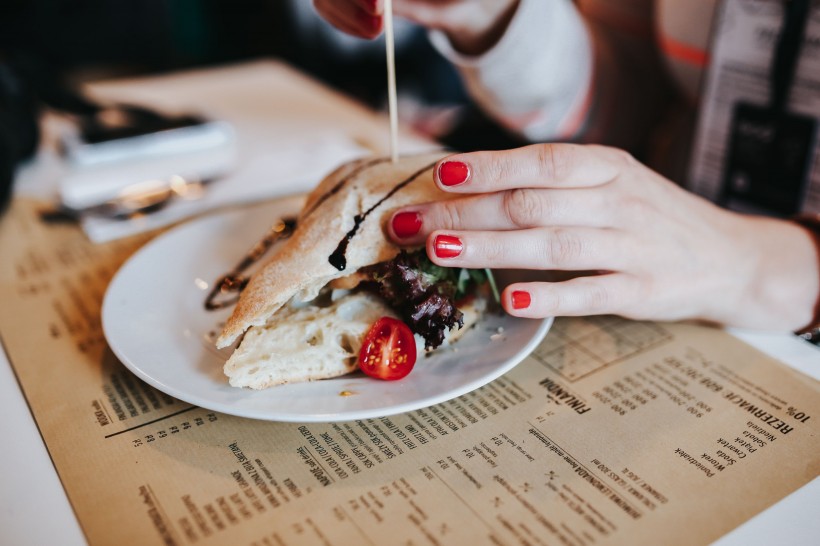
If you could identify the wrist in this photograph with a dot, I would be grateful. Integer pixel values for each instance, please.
(784, 285)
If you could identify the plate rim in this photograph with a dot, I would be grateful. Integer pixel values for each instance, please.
(275, 415)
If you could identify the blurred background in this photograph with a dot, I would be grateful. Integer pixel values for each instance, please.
(48, 48)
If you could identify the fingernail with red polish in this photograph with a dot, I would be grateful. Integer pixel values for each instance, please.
(453, 173)
(521, 299)
(448, 246)
(406, 224)
(371, 22)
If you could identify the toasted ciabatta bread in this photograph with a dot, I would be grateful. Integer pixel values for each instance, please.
(285, 343)
(372, 188)
(309, 343)
(305, 343)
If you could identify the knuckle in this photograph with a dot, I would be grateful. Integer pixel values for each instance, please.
(553, 160)
(493, 252)
(504, 168)
(598, 299)
(636, 210)
(562, 247)
(622, 157)
(448, 215)
(625, 157)
(633, 207)
(523, 208)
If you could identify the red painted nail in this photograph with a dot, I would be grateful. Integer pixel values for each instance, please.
(448, 246)
(372, 6)
(406, 224)
(453, 173)
(370, 22)
(521, 299)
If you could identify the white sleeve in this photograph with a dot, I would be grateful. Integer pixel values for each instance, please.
(537, 79)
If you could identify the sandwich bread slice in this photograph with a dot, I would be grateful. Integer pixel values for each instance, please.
(288, 332)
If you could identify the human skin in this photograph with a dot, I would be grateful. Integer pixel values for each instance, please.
(630, 91)
(473, 26)
(660, 252)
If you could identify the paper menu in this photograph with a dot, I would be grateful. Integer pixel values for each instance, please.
(612, 431)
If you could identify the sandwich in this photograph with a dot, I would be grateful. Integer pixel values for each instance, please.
(305, 314)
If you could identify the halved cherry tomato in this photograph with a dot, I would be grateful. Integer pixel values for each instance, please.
(389, 350)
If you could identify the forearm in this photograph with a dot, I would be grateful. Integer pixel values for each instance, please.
(631, 90)
(558, 73)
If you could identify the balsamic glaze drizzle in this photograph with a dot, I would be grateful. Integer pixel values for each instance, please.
(234, 281)
(352, 174)
(338, 259)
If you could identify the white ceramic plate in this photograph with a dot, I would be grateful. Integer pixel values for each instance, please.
(156, 323)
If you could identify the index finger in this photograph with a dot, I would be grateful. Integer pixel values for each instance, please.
(534, 166)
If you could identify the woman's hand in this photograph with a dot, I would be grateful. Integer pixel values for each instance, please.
(657, 251)
(473, 26)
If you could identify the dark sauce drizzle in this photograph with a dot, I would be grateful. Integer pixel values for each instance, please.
(338, 258)
(234, 281)
(352, 174)
(363, 165)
